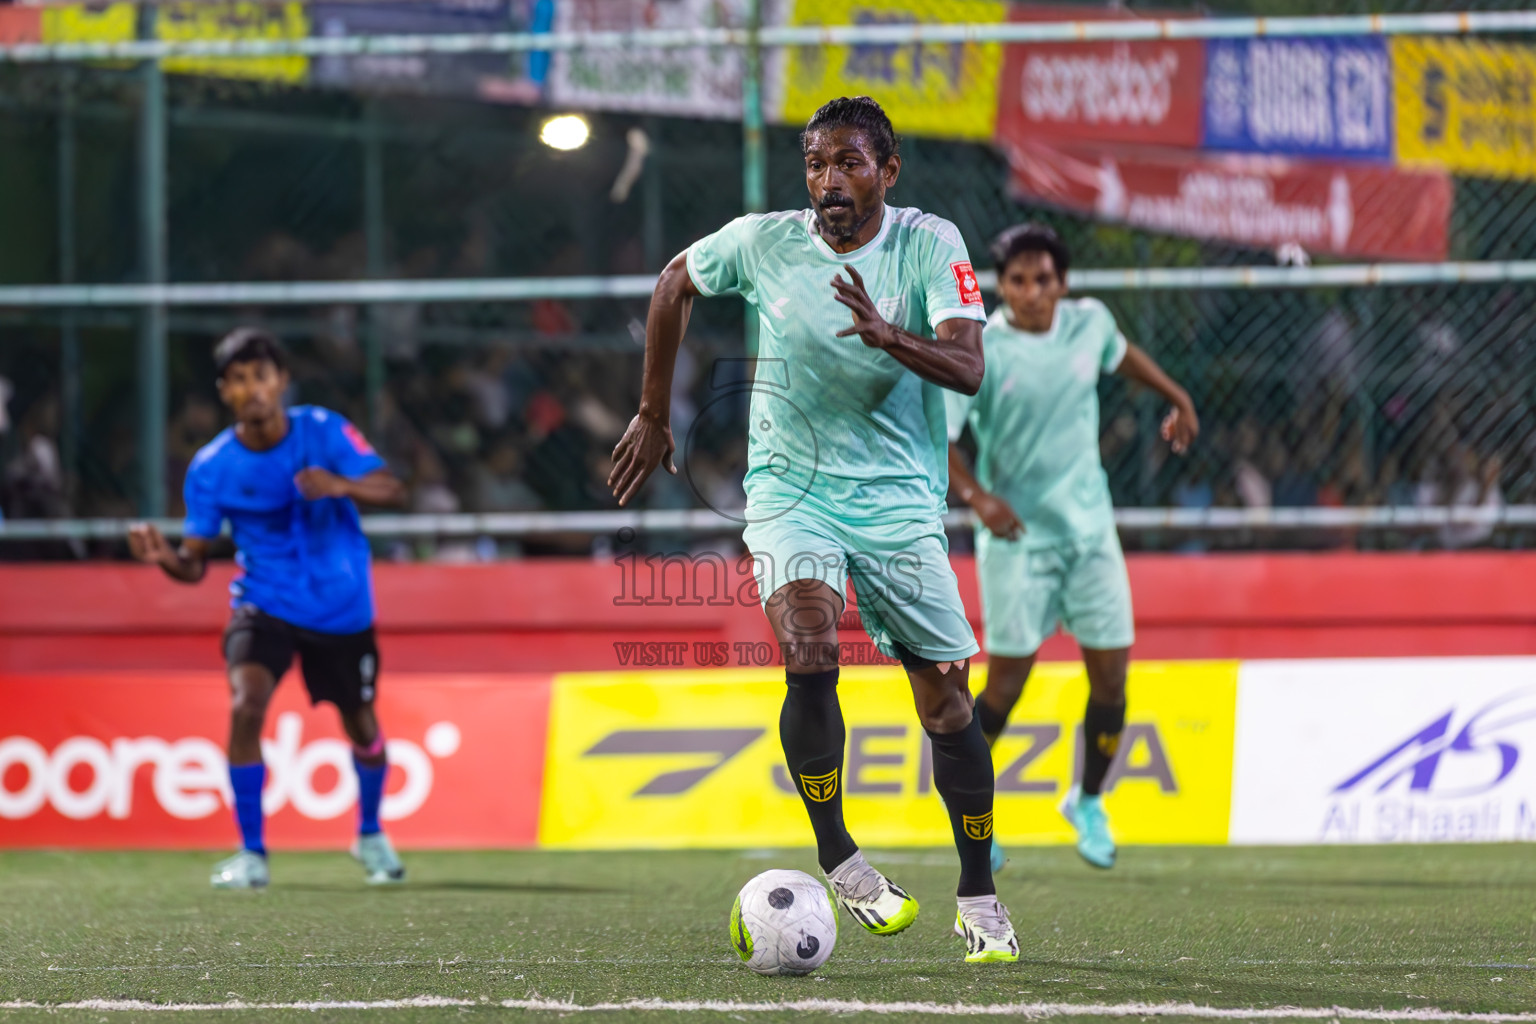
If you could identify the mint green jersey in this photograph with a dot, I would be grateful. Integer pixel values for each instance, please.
(1036, 420)
(837, 426)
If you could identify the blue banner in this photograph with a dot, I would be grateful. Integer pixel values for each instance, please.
(1324, 97)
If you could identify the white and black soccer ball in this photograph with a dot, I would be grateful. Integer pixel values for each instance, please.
(783, 923)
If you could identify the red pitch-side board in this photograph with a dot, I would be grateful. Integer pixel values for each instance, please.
(133, 759)
(565, 615)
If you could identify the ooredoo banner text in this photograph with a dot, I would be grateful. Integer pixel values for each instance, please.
(126, 760)
(1143, 91)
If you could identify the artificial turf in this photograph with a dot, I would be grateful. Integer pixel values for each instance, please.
(1406, 927)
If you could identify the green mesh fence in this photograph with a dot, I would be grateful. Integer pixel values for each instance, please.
(1313, 397)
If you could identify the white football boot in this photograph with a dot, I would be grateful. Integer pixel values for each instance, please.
(983, 923)
(878, 904)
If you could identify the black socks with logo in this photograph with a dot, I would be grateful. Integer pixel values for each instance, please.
(811, 730)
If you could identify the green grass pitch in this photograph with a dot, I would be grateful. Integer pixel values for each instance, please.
(1451, 928)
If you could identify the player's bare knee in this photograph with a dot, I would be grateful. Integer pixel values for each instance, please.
(250, 693)
(1106, 675)
(1107, 691)
(810, 656)
(247, 718)
(947, 707)
(362, 728)
(948, 715)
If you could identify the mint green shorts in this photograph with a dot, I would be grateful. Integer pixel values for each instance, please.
(1027, 592)
(905, 587)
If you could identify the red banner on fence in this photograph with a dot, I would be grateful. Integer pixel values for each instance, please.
(126, 760)
(1338, 208)
(20, 25)
(1138, 91)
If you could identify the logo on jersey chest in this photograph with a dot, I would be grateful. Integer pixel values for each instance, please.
(892, 310)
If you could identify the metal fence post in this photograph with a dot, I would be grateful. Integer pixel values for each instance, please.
(69, 330)
(374, 242)
(754, 150)
(153, 368)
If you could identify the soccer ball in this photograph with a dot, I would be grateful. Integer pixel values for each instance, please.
(783, 923)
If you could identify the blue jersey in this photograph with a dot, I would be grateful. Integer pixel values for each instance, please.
(305, 562)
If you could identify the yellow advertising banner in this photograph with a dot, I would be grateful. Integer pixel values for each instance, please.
(948, 90)
(1467, 107)
(235, 20)
(90, 23)
(692, 759)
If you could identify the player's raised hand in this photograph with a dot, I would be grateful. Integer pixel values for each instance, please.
(646, 444)
(315, 483)
(1180, 427)
(997, 515)
(148, 544)
(868, 324)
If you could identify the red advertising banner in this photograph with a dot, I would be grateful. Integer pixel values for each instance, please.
(20, 25)
(1344, 209)
(1139, 91)
(136, 760)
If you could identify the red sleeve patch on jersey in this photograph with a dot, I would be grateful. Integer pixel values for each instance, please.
(965, 280)
(358, 441)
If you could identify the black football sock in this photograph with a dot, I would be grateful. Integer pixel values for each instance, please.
(1102, 726)
(993, 721)
(811, 729)
(962, 773)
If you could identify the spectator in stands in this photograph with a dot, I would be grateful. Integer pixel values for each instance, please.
(499, 483)
(1327, 361)
(190, 429)
(1471, 483)
(1248, 481)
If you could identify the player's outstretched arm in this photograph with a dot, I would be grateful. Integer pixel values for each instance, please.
(380, 487)
(952, 360)
(647, 443)
(995, 513)
(185, 564)
(1181, 426)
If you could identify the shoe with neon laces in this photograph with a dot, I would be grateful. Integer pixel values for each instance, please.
(983, 922)
(873, 900)
(378, 859)
(1086, 815)
(245, 870)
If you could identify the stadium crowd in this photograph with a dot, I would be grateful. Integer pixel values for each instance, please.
(500, 429)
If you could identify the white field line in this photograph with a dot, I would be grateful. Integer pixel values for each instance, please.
(733, 963)
(1033, 1011)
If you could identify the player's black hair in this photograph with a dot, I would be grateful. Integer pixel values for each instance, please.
(1031, 236)
(859, 112)
(248, 345)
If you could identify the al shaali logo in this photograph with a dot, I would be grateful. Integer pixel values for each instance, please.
(820, 788)
(1443, 760)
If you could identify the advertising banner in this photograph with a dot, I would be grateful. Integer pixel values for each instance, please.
(946, 90)
(692, 759)
(126, 760)
(235, 19)
(1326, 97)
(1144, 91)
(20, 25)
(1466, 106)
(497, 76)
(89, 23)
(1346, 209)
(1385, 751)
(703, 82)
